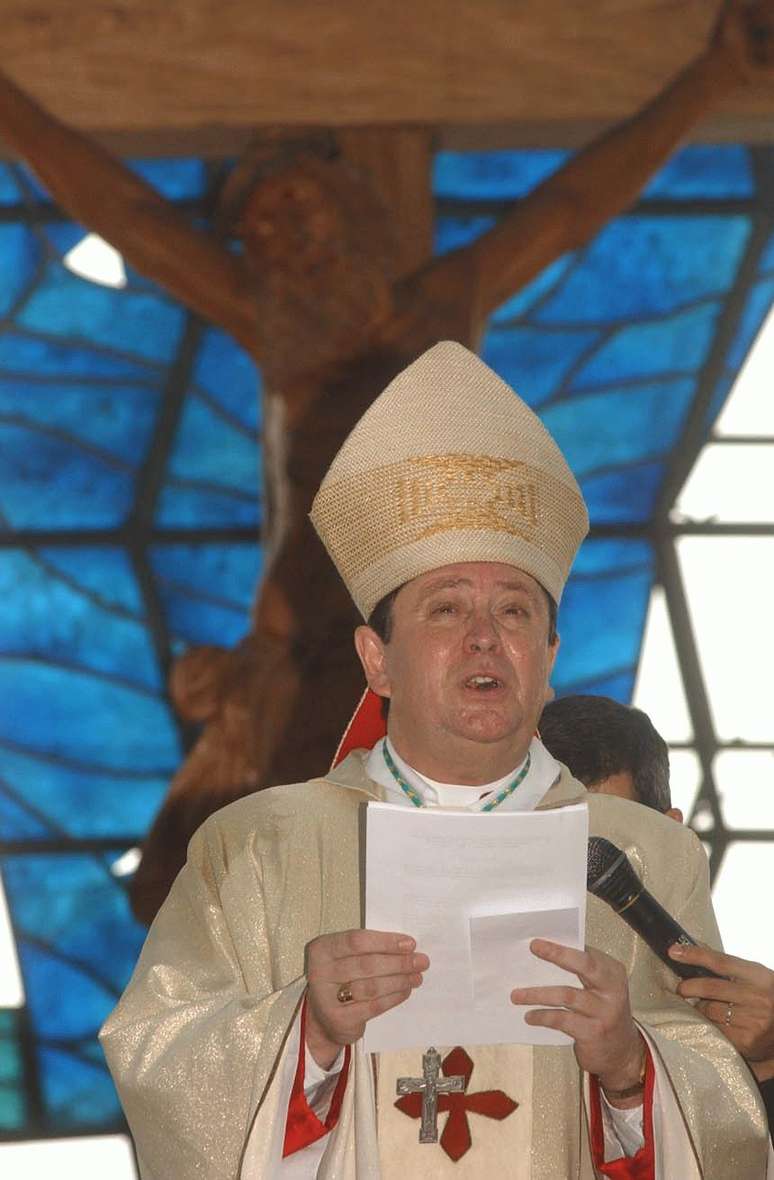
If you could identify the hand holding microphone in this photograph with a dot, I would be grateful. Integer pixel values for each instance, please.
(740, 1002)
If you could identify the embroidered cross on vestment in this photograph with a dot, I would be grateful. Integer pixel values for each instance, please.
(457, 1067)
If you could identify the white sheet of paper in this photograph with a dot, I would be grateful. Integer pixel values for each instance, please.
(474, 889)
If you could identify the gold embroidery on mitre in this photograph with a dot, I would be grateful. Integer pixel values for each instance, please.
(463, 491)
(367, 515)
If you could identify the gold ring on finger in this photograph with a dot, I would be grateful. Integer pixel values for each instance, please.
(344, 994)
(729, 1014)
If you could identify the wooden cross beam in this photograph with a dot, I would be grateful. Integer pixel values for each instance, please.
(199, 75)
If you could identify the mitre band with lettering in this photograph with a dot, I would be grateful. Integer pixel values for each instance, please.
(447, 465)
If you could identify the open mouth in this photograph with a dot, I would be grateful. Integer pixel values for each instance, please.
(483, 684)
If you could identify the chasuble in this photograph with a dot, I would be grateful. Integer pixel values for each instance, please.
(202, 1036)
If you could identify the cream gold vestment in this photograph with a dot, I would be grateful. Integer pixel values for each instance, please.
(195, 1042)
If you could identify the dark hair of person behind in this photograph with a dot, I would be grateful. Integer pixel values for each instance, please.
(596, 737)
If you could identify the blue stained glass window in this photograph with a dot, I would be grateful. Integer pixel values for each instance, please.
(721, 391)
(85, 717)
(64, 235)
(12, 1102)
(202, 621)
(229, 376)
(704, 171)
(699, 171)
(757, 306)
(77, 1092)
(677, 344)
(10, 193)
(610, 555)
(465, 176)
(77, 945)
(602, 615)
(172, 177)
(213, 450)
(600, 623)
(50, 482)
(24, 355)
(767, 257)
(20, 255)
(619, 426)
(136, 323)
(47, 617)
(19, 818)
(29, 183)
(627, 495)
(676, 260)
(178, 178)
(619, 687)
(104, 573)
(114, 419)
(207, 591)
(50, 978)
(534, 361)
(539, 289)
(73, 920)
(228, 571)
(43, 797)
(187, 507)
(758, 303)
(453, 232)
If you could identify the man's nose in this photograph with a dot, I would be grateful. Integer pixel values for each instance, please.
(482, 633)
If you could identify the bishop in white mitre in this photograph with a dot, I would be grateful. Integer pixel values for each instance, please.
(453, 519)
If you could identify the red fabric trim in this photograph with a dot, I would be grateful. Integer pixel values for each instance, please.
(641, 1166)
(365, 728)
(302, 1126)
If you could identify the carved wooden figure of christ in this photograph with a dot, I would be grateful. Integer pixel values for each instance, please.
(336, 291)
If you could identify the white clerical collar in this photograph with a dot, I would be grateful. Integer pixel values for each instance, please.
(543, 772)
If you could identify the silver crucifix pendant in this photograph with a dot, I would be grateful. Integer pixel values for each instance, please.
(430, 1085)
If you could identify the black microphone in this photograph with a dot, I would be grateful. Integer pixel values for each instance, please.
(610, 877)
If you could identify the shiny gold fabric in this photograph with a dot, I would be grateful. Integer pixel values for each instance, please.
(196, 1039)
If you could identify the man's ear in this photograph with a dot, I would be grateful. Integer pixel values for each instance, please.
(553, 648)
(675, 813)
(372, 656)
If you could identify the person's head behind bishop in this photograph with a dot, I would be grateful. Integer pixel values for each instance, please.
(453, 519)
(613, 749)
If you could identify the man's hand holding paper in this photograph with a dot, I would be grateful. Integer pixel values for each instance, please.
(353, 976)
(597, 1015)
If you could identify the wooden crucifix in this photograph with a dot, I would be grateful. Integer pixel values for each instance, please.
(335, 291)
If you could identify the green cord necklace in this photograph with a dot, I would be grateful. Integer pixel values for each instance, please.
(413, 794)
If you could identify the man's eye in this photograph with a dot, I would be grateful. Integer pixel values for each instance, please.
(443, 608)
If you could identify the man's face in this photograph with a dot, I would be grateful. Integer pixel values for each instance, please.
(622, 784)
(466, 669)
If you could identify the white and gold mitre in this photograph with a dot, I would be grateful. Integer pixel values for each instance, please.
(448, 465)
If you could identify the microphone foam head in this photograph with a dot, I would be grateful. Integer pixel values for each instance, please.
(609, 874)
(601, 856)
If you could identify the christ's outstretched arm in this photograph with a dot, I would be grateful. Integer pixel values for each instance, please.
(601, 180)
(146, 229)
